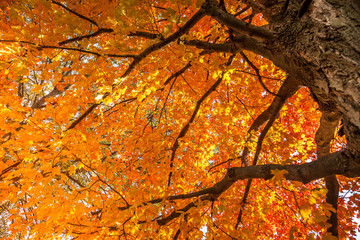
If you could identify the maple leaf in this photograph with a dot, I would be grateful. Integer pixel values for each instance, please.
(178, 119)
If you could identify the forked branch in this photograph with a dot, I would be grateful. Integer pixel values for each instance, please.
(288, 89)
(173, 37)
(185, 129)
(257, 73)
(339, 163)
(236, 24)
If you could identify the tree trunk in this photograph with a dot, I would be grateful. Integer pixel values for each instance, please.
(321, 48)
(318, 42)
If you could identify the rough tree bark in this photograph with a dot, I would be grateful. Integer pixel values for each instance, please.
(322, 49)
(319, 44)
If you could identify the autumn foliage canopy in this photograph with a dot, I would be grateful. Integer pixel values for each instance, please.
(128, 119)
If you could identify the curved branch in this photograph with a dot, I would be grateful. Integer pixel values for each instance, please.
(328, 123)
(236, 24)
(97, 33)
(40, 47)
(147, 35)
(340, 163)
(214, 47)
(75, 13)
(288, 89)
(256, 156)
(185, 129)
(257, 73)
(182, 30)
(240, 42)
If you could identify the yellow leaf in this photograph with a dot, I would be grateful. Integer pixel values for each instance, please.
(81, 165)
(312, 200)
(141, 96)
(37, 88)
(329, 207)
(319, 193)
(305, 211)
(72, 169)
(278, 174)
(108, 100)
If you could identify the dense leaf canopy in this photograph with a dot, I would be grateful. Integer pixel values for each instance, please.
(141, 120)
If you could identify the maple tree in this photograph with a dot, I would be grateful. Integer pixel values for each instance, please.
(179, 119)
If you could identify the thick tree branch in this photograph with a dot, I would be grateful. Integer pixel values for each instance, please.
(146, 35)
(267, 127)
(213, 47)
(340, 163)
(287, 89)
(236, 24)
(332, 197)
(240, 42)
(182, 30)
(95, 34)
(325, 134)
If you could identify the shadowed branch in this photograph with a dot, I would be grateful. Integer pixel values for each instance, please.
(325, 134)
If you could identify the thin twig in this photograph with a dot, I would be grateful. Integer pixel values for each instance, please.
(257, 73)
(75, 13)
(185, 129)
